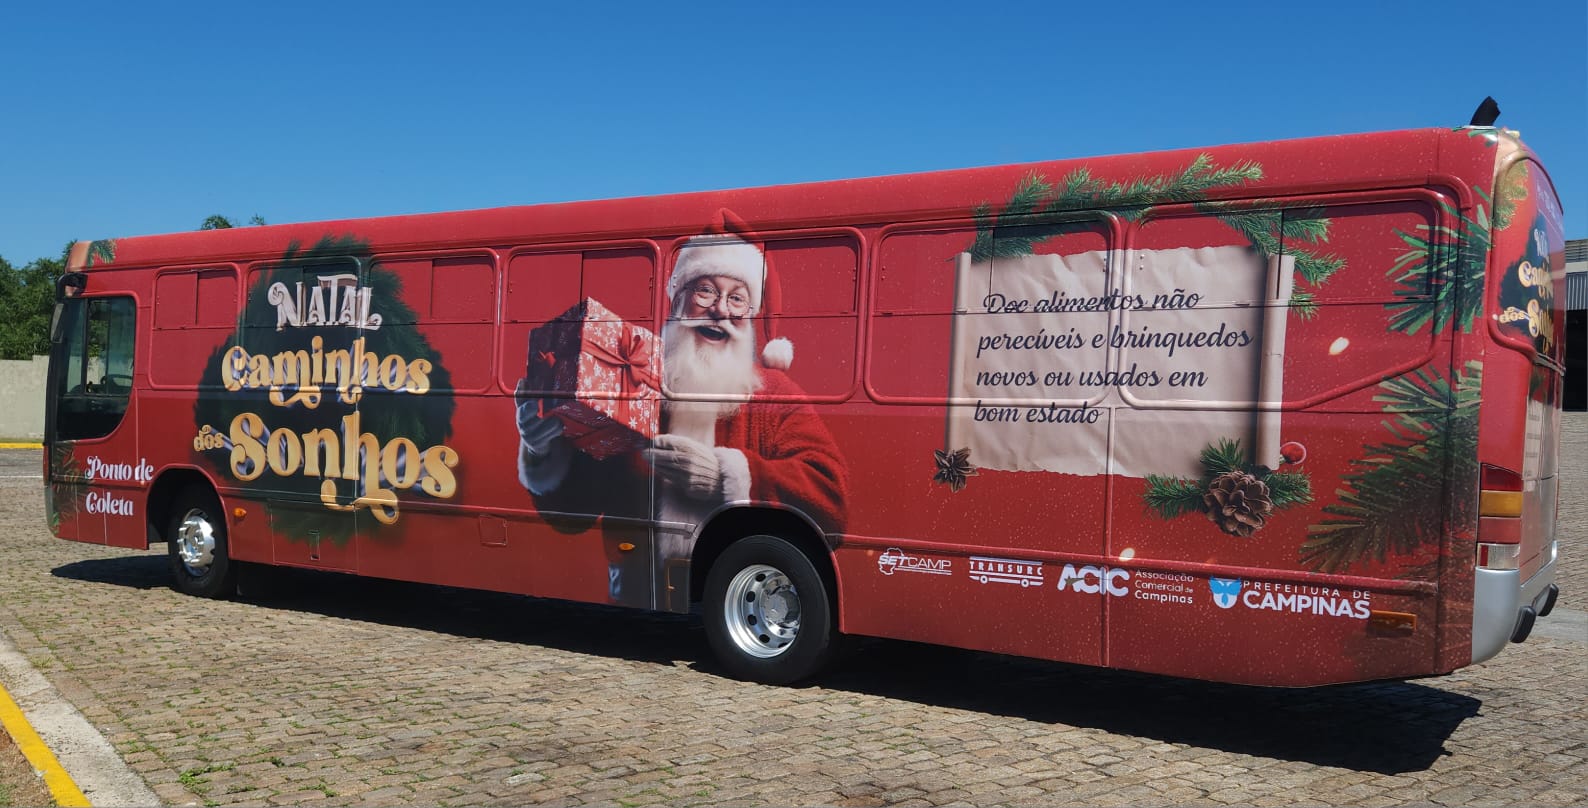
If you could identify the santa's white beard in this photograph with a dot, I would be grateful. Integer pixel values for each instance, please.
(725, 371)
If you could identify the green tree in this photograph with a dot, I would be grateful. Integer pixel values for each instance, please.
(219, 222)
(27, 295)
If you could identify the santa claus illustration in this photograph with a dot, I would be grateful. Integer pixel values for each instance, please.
(735, 429)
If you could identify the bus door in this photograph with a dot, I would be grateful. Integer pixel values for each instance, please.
(589, 531)
(94, 466)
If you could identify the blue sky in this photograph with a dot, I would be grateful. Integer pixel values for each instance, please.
(131, 118)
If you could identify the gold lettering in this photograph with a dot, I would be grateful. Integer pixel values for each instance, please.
(418, 376)
(339, 368)
(258, 371)
(313, 443)
(235, 368)
(439, 480)
(365, 365)
(285, 452)
(248, 454)
(400, 462)
(393, 370)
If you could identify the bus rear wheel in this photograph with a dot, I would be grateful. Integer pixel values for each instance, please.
(196, 544)
(769, 615)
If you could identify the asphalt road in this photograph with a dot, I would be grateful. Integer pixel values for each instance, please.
(344, 691)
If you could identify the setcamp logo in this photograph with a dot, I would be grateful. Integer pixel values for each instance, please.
(895, 560)
(1225, 591)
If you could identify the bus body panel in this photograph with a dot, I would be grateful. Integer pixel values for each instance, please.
(1520, 429)
(1206, 413)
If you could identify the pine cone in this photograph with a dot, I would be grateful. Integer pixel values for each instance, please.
(1238, 503)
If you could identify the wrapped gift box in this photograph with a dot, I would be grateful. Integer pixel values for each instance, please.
(600, 376)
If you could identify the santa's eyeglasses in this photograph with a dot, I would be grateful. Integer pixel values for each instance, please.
(706, 296)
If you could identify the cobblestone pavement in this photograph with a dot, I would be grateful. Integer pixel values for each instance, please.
(336, 690)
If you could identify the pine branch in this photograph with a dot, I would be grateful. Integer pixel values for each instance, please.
(1316, 269)
(101, 250)
(1512, 189)
(1394, 501)
(1172, 496)
(1079, 190)
(1223, 457)
(1303, 304)
(1440, 278)
(1275, 232)
(1286, 488)
(1028, 197)
(1305, 224)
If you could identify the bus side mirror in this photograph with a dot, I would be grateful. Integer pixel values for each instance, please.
(71, 280)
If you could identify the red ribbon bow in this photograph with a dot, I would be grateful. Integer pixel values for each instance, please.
(634, 354)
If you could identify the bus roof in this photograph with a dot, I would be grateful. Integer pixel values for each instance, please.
(1409, 158)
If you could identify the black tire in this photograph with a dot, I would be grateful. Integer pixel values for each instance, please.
(199, 510)
(753, 639)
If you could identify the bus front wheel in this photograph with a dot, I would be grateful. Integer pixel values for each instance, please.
(769, 615)
(196, 543)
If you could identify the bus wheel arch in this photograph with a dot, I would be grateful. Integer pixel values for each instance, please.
(195, 531)
(163, 492)
(734, 524)
(768, 595)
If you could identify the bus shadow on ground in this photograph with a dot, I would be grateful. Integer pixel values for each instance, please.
(1381, 727)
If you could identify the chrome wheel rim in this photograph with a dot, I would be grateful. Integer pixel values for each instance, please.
(762, 610)
(195, 542)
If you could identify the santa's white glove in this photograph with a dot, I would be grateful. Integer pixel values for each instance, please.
(535, 431)
(686, 464)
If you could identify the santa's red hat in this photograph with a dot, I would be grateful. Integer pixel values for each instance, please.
(729, 249)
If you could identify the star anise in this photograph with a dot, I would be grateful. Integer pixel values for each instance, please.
(953, 468)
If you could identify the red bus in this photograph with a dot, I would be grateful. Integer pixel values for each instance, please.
(1281, 413)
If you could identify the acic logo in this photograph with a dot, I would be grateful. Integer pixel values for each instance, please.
(1092, 580)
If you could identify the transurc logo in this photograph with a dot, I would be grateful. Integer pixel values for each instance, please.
(895, 560)
(1225, 591)
(1093, 579)
(1005, 571)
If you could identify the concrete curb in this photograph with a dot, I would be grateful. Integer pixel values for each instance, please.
(88, 759)
(62, 788)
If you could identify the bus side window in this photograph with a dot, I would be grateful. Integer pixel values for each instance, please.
(622, 281)
(1364, 299)
(451, 301)
(193, 310)
(99, 349)
(912, 312)
(818, 282)
(544, 287)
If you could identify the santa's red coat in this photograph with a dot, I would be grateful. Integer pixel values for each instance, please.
(793, 460)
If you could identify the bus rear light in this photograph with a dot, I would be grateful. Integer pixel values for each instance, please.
(1500, 503)
(1499, 478)
(1499, 556)
(1500, 492)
